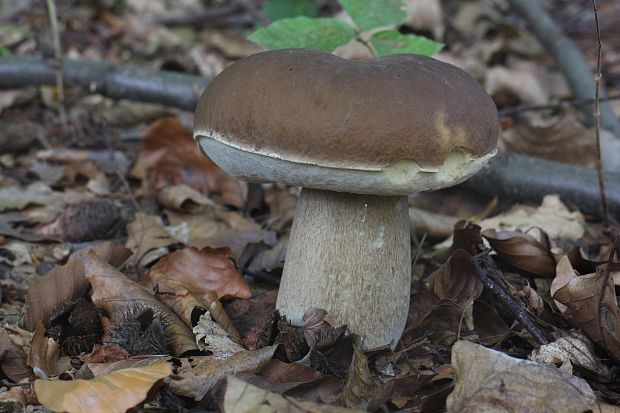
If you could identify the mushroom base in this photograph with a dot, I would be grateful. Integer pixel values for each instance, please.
(350, 254)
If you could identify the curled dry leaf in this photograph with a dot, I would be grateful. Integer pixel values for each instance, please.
(187, 306)
(197, 381)
(66, 283)
(522, 251)
(182, 197)
(212, 337)
(172, 156)
(491, 381)
(44, 352)
(580, 295)
(456, 280)
(147, 238)
(241, 397)
(318, 332)
(116, 392)
(119, 296)
(205, 270)
(19, 198)
(362, 390)
(14, 360)
(574, 350)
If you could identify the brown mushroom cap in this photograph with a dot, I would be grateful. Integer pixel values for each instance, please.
(404, 123)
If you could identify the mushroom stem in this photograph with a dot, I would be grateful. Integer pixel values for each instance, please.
(350, 254)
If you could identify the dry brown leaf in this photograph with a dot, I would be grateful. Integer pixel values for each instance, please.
(362, 391)
(203, 271)
(574, 350)
(19, 198)
(44, 352)
(210, 336)
(113, 393)
(147, 238)
(187, 306)
(182, 198)
(425, 15)
(522, 251)
(490, 381)
(119, 296)
(66, 283)
(14, 360)
(241, 397)
(579, 296)
(456, 280)
(172, 156)
(197, 381)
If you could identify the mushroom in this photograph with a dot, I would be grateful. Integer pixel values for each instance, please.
(358, 137)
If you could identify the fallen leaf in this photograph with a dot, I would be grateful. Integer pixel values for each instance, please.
(579, 296)
(182, 198)
(44, 352)
(188, 306)
(241, 397)
(212, 337)
(147, 238)
(205, 270)
(522, 251)
(491, 381)
(362, 391)
(113, 393)
(119, 297)
(172, 156)
(197, 381)
(66, 283)
(19, 198)
(571, 351)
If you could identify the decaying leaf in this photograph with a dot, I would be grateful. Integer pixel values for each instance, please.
(456, 280)
(212, 337)
(491, 381)
(522, 251)
(172, 157)
(579, 297)
(44, 352)
(197, 381)
(241, 397)
(571, 351)
(113, 393)
(362, 390)
(120, 297)
(147, 238)
(182, 197)
(205, 270)
(189, 307)
(19, 198)
(66, 283)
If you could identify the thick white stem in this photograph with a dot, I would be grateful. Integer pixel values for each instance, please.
(350, 254)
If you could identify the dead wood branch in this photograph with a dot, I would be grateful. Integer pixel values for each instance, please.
(569, 59)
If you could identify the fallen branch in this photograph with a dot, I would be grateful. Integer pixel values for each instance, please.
(525, 178)
(518, 177)
(488, 273)
(568, 57)
(114, 81)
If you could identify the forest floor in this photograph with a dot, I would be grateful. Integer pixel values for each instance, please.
(130, 261)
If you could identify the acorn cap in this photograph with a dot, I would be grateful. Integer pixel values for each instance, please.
(393, 125)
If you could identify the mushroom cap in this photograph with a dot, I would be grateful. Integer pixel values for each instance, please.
(393, 125)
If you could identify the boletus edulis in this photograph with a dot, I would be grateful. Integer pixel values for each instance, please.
(358, 137)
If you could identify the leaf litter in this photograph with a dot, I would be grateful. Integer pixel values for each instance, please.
(146, 277)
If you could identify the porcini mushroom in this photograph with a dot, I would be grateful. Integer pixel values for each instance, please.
(358, 137)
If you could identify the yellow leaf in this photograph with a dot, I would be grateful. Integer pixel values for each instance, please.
(114, 392)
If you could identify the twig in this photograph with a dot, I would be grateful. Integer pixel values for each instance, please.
(488, 272)
(555, 105)
(597, 118)
(568, 57)
(53, 17)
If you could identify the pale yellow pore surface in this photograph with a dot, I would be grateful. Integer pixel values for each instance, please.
(400, 178)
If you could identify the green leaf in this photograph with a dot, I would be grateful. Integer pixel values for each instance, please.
(392, 42)
(370, 14)
(282, 9)
(322, 34)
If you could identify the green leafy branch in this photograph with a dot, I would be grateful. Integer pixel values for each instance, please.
(374, 26)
